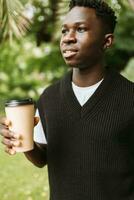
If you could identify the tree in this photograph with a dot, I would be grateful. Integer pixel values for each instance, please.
(12, 19)
(123, 49)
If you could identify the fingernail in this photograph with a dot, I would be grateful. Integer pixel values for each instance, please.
(12, 151)
(7, 122)
(16, 143)
(16, 136)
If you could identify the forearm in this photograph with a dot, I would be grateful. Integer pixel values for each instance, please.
(38, 155)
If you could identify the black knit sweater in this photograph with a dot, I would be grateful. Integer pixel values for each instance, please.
(90, 151)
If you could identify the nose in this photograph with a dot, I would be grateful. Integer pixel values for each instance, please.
(70, 37)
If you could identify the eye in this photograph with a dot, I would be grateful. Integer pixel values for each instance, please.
(81, 29)
(64, 31)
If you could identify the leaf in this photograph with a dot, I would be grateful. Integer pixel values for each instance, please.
(12, 19)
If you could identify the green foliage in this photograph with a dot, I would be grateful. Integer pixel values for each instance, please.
(123, 49)
(129, 70)
(12, 19)
(45, 16)
(25, 69)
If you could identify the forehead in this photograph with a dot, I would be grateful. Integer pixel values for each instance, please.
(81, 14)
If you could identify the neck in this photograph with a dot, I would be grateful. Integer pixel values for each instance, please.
(89, 76)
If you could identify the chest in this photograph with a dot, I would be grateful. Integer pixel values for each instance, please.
(103, 123)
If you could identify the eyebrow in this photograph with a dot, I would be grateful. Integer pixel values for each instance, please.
(76, 23)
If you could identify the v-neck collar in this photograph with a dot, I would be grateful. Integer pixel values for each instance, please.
(72, 104)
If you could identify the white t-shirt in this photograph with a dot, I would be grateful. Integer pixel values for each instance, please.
(82, 94)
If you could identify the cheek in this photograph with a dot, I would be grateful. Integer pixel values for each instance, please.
(85, 41)
(91, 46)
(60, 45)
(90, 51)
(61, 42)
(87, 47)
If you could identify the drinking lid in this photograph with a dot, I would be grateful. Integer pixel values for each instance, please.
(18, 102)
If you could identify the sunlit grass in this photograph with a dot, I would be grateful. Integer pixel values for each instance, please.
(20, 180)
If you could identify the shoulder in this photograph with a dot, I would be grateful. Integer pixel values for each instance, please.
(123, 90)
(120, 81)
(124, 83)
(49, 96)
(50, 91)
(54, 90)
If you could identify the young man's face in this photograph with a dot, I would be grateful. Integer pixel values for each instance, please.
(82, 38)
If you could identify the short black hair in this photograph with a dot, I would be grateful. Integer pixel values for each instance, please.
(103, 11)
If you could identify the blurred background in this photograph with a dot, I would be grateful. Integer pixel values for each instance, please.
(30, 60)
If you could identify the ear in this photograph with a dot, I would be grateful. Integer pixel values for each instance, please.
(108, 41)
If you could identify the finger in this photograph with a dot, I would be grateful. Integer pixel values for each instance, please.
(11, 143)
(2, 126)
(5, 121)
(36, 120)
(9, 134)
(5, 132)
(16, 143)
(10, 151)
(7, 142)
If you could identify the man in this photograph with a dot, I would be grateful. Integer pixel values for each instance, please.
(87, 116)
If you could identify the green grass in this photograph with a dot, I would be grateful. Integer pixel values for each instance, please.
(20, 180)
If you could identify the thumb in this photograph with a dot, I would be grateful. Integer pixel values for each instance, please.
(5, 121)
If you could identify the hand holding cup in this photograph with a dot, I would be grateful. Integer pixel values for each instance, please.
(17, 131)
(9, 139)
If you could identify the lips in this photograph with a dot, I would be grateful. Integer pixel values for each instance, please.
(68, 53)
